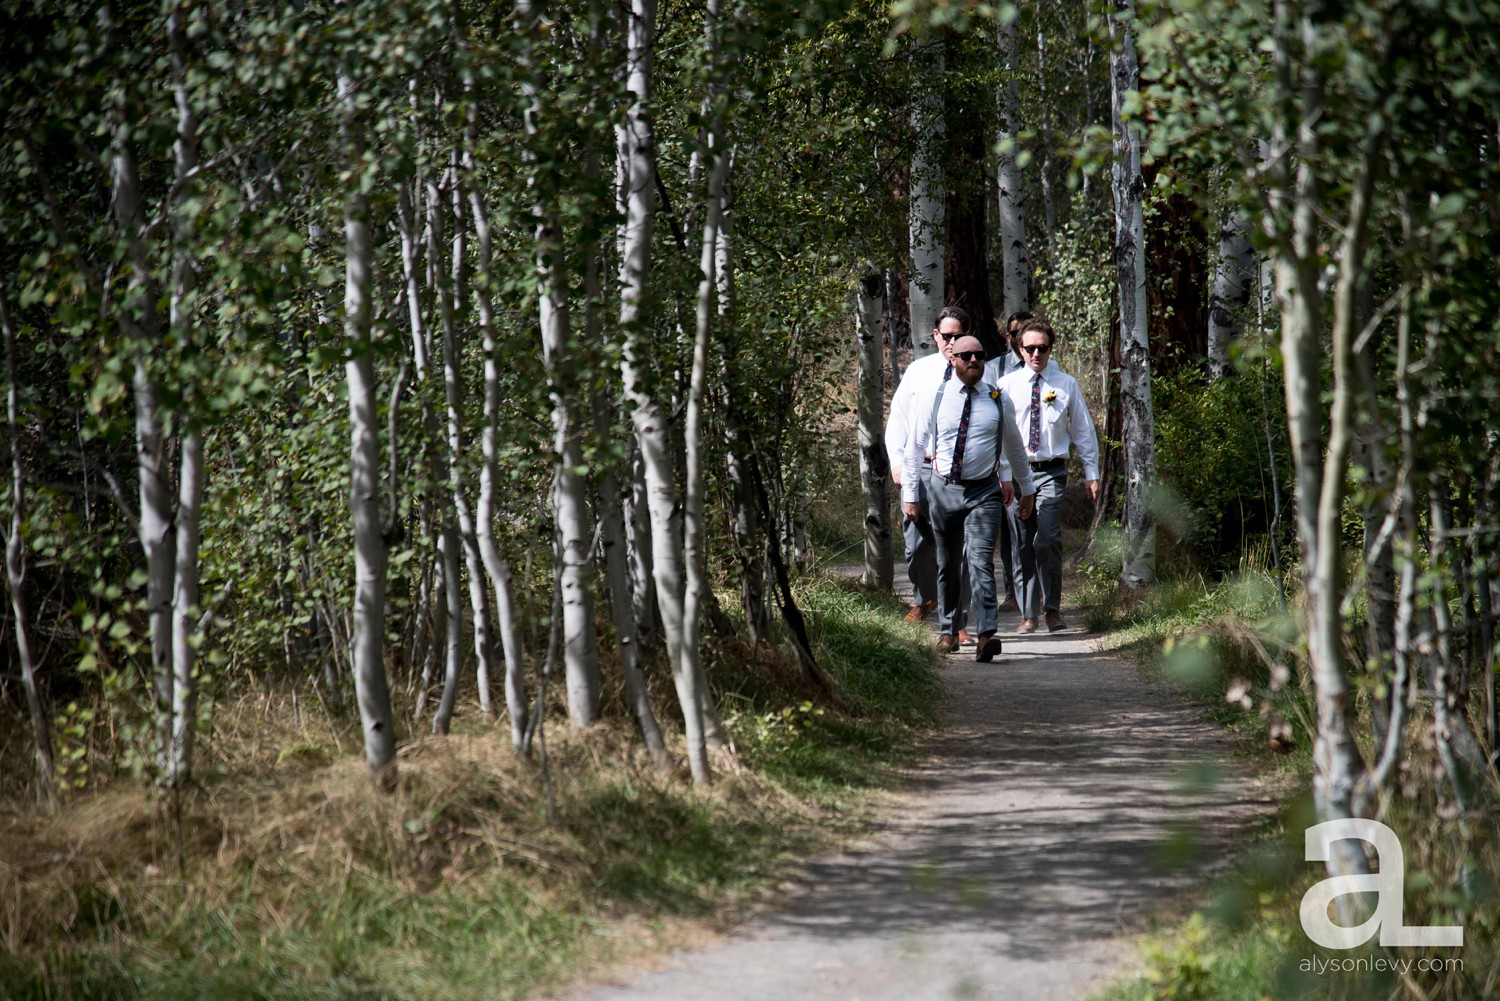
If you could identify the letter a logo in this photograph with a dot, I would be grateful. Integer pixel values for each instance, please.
(1386, 885)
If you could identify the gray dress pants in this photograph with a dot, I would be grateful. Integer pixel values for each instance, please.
(1038, 543)
(966, 519)
(921, 557)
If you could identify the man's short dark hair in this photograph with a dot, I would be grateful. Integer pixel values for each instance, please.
(953, 313)
(1040, 326)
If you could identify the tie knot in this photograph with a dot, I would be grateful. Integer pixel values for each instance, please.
(1036, 379)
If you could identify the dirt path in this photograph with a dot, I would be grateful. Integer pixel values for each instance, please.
(1035, 840)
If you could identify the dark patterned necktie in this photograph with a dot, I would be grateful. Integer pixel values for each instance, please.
(1034, 438)
(956, 468)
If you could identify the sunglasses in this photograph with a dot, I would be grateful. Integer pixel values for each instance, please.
(969, 355)
(1033, 349)
(949, 338)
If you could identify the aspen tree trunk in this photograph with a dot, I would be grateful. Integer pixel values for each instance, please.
(874, 464)
(190, 479)
(637, 515)
(1044, 138)
(1319, 480)
(370, 552)
(153, 451)
(449, 613)
(1016, 263)
(1234, 277)
(926, 226)
(449, 296)
(1130, 264)
(697, 591)
(191, 472)
(613, 538)
(15, 567)
(571, 514)
(637, 152)
(484, 530)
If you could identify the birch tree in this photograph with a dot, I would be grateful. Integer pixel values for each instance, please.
(371, 554)
(15, 567)
(1130, 264)
(636, 151)
(925, 288)
(874, 464)
(1016, 264)
(1235, 272)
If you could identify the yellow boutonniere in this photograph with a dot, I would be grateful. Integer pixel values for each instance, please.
(994, 394)
(1051, 396)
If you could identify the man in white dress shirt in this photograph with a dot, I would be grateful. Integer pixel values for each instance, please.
(922, 376)
(967, 427)
(1050, 415)
(996, 369)
(1011, 360)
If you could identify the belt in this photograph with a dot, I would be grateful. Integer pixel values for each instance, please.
(1049, 463)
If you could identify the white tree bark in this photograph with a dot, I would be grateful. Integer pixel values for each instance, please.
(190, 479)
(1044, 139)
(637, 153)
(371, 687)
(1135, 355)
(696, 589)
(484, 530)
(15, 567)
(571, 514)
(1016, 262)
(1319, 479)
(153, 451)
(191, 470)
(1234, 278)
(448, 616)
(926, 221)
(874, 464)
(449, 296)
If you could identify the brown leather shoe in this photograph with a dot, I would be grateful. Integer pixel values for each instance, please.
(1055, 622)
(946, 642)
(962, 639)
(988, 648)
(1026, 626)
(1010, 604)
(919, 612)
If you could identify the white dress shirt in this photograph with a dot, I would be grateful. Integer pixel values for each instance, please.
(1065, 417)
(992, 430)
(921, 377)
(996, 369)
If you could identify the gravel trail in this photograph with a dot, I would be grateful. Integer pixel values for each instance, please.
(1043, 827)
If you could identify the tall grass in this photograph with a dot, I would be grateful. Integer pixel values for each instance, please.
(286, 876)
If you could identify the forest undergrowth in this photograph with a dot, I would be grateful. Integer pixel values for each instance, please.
(286, 875)
(1229, 645)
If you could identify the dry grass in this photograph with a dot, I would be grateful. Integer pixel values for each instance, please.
(284, 866)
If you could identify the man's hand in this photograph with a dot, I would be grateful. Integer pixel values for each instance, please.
(1093, 488)
(896, 475)
(910, 509)
(1007, 492)
(1028, 505)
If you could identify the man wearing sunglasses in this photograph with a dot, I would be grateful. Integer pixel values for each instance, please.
(921, 378)
(968, 424)
(1051, 416)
